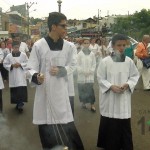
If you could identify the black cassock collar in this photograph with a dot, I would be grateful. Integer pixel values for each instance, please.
(16, 54)
(55, 46)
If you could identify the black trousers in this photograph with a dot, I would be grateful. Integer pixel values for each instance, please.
(71, 98)
(4, 73)
(60, 134)
(18, 94)
(1, 102)
(115, 134)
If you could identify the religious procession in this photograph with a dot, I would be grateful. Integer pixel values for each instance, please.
(63, 91)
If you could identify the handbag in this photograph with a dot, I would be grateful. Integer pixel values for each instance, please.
(146, 62)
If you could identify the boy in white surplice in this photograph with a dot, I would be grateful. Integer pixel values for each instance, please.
(15, 62)
(117, 76)
(50, 63)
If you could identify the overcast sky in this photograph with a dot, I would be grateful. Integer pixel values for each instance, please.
(80, 9)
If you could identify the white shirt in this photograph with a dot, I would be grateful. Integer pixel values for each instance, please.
(1, 59)
(70, 77)
(114, 105)
(94, 48)
(5, 51)
(109, 48)
(23, 47)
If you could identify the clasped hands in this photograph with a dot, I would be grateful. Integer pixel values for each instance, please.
(119, 89)
(16, 65)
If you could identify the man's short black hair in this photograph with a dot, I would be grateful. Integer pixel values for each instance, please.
(118, 37)
(55, 18)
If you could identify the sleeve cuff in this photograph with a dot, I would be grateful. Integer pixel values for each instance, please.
(34, 79)
(62, 72)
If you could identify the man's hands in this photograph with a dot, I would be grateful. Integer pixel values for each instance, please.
(40, 78)
(119, 89)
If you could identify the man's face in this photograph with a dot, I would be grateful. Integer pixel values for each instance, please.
(61, 28)
(120, 45)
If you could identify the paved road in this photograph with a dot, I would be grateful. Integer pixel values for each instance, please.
(18, 133)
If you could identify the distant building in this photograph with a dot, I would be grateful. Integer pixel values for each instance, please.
(4, 24)
(17, 24)
(22, 9)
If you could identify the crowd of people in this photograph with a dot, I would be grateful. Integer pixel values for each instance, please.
(50, 63)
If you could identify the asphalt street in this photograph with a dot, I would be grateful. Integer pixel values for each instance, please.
(18, 133)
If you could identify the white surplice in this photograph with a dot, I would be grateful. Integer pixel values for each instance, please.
(51, 104)
(94, 48)
(1, 59)
(86, 64)
(17, 76)
(23, 47)
(114, 105)
(70, 76)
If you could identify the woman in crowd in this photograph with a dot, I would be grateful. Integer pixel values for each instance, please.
(5, 52)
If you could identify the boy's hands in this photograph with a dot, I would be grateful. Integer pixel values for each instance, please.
(118, 89)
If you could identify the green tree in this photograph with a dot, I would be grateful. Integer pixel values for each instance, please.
(34, 21)
(135, 25)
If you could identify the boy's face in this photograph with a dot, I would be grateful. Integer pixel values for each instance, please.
(16, 48)
(3, 45)
(86, 43)
(120, 45)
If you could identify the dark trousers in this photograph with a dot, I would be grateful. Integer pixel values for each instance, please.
(60, 134)
(1, 102)
(71, 98)
(19, 94)
(4, 73)
(86, 93)
(115, 134)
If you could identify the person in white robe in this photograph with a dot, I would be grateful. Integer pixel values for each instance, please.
(1, 80)
(5, 51)
(16, 63)
(86, 64)
(71, 90)
(117, 76)
(109, 49)
(23, 46)
(50, 63)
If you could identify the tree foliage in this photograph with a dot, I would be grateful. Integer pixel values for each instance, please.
(134, 25)
(34, 21)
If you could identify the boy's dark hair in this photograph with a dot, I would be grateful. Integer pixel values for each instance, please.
(14, 43)
(118, 37)
(55, 18)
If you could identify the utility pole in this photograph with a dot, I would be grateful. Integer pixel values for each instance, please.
(29, 5)
(98, 23)
(59, 5)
